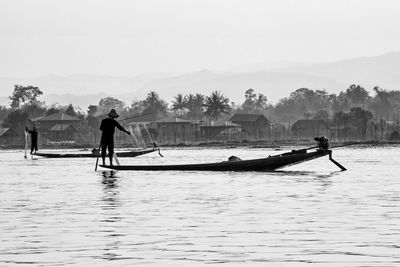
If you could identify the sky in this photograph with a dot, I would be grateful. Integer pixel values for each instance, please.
(127, 38)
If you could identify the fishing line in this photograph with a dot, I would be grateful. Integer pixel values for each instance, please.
(137, 129)
(133, 136)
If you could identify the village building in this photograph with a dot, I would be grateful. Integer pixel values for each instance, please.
(225, 131)
(57, 128)
(254, 126)
(394, 136)
(279, 131)
(370, 130)
(308, 129)
(177, 131)
(340, 132)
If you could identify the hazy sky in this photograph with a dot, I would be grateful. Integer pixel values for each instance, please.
(126, 38)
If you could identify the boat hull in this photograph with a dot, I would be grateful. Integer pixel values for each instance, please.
(263, 164)
(123, 154)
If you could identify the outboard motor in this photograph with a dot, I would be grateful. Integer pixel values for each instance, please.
(323, 142)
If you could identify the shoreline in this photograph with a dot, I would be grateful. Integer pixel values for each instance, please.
(221, 144)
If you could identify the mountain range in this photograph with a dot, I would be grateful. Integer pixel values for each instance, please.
(273, 80)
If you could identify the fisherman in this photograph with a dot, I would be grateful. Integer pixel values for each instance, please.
(323, 143)
(107, 137)
(34, 138)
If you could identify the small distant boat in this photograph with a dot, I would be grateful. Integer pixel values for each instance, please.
(95, 154)
(270, 163)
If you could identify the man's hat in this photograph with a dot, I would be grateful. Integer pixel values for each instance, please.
(113, 114)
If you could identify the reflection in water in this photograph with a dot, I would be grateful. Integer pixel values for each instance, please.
(109, 178)
(112, 217)
(110, 195)
(291, 173)
(309, 174)
(110, 189)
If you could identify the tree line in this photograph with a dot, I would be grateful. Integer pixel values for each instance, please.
(353, 106)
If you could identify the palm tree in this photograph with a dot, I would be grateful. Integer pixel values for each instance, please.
(216, 104)
(153, 104)
(179, 105)
(195, 105)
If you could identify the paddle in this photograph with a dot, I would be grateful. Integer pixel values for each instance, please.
(26, 144)
(155, 146)
(97, 159)
(116, 158)
(335, 162)
(350, 144)
(308, 148)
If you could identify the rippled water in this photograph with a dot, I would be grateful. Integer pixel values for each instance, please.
(58, 212)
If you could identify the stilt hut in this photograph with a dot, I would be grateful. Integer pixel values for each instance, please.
(308, 129)
(58, 127)
(176, 131)
(254, 126)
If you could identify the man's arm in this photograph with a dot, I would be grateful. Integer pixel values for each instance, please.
(121, 128)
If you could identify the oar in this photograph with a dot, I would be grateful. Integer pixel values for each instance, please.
(116, 158)
(345, 145)
(308, 148)
(26, 144)
(332, 146)
(97, 159)
(155, 146)
(335, 162)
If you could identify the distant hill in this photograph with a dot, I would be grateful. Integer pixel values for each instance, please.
(82, 101)
(81, 90)
(383, 70)
(274, 85)
(233, 85)
(273, 80)
(79, 84)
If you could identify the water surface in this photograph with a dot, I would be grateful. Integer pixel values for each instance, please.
(60, 212)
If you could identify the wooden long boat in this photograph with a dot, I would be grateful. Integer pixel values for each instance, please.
(122, 154)
(270, 163)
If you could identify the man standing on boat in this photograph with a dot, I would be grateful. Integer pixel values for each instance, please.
(107, 137)
(34, 138)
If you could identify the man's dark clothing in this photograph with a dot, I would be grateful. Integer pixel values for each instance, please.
(108, 127)
(34, 140)
(107, 138)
